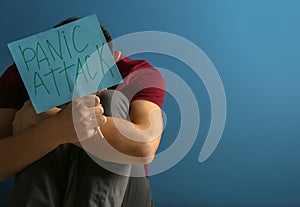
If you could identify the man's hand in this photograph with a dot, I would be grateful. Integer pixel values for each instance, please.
(26, 117)
(81, 119)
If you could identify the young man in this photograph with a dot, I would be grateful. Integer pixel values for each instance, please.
(44, 153)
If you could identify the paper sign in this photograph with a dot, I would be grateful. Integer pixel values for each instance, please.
(73, 59)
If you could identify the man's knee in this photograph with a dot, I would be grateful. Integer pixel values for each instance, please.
(115, 104)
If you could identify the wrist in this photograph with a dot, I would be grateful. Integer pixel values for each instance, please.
(56, 130)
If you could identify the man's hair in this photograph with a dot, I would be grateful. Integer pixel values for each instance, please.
(105, 32)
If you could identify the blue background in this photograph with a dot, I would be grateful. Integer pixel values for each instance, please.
(254, 45)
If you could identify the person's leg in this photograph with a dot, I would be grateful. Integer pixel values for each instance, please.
(100, 187)
(138, 192)
(43, 183)
(68, 177)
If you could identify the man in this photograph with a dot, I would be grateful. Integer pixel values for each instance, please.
(44, 151)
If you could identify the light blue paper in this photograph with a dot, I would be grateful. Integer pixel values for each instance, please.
(63, 63)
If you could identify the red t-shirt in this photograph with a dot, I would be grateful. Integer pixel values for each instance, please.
(141, 82)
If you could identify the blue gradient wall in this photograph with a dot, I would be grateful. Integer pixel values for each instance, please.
(254, 45)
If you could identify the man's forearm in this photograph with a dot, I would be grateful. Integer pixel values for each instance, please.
(22, 149)
(119, 145)
(130, 138)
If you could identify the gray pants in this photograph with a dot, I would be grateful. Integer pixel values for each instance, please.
(68, 177)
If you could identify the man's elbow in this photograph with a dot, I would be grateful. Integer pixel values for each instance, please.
(145, 152)
(148, 156)
(144, 160)
(148, 160)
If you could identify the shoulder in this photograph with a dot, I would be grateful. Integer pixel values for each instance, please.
(142, 70)
(12, 90)
(141, 81)
(127, 65)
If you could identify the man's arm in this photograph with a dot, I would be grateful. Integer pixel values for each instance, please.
(139, 137)
(20, 150)
(130, 142)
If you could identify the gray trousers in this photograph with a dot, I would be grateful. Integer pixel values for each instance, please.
(68, 177)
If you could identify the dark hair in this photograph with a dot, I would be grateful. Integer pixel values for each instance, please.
(105, 32)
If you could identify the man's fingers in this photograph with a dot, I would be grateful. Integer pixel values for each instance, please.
(99, 110)
(93, 112)
(101, 119)
(88, 101)
(97, 100)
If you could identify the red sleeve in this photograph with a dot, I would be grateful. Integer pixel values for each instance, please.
(149, 85)
(12, 90)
